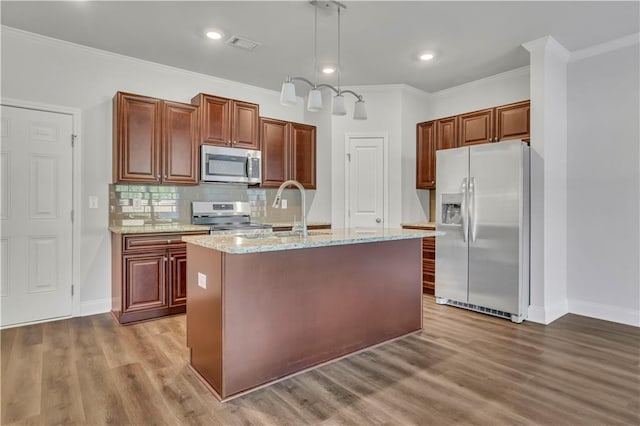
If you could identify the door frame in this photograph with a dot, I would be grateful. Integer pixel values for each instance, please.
(385, 173)
(76, 157)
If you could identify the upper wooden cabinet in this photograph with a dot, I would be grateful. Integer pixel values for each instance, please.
(274, 139)
(180, 134)
(288, 152)
(447, 133)
(154, 141)
(228, 122)
(426, 155)
(432, 136)
(513, 121)
(505, 122)
(303, 154)
(476, 127)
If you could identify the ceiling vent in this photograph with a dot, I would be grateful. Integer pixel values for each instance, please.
(243, 43)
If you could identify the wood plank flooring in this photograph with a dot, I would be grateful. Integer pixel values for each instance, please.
(463, 368)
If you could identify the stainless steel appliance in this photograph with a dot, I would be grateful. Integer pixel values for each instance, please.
(233, 217)
(482, 205)
(220, 164)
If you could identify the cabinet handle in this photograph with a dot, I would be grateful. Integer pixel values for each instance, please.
(158, 177)
(165, 176)
(235, 142)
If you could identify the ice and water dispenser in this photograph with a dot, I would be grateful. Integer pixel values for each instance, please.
(451, 209)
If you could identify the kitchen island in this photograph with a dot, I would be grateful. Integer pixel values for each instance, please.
(261, 308)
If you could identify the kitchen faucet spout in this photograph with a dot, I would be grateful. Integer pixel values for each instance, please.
(276, 202)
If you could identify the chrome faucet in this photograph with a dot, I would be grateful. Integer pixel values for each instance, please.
(276, 202)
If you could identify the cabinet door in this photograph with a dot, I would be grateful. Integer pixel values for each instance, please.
(303, 154)
(476, 127)
(447, 133)
(145, 281)
(180, 141)
(513, 121)
(136, 148)
(215, 119)
(274, 139)
(177, 278)
(245, 125)
(426, 156)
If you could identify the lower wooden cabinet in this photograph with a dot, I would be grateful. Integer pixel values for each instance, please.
(148, 276)
(429, 265)
(428, 259)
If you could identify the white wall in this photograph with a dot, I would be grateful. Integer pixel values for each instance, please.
(384, 106)
(415, 108)
(500, 89)
(603, 186)
(319, 201)
(44, 70)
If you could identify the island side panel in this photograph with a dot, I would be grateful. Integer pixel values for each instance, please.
(285, 311)
(204, 313)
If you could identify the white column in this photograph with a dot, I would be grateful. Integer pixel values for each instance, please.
(548, 61)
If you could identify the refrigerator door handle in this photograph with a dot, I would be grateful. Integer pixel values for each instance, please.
(472, 208)
(465, 215)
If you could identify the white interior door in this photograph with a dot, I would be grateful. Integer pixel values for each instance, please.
(365, 180)
(36, 241)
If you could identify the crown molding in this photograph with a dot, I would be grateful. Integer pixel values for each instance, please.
(606, 47)
(50, 41)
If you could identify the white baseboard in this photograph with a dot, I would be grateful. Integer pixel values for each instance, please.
(605, 312)
(92, 307)
(547, 314)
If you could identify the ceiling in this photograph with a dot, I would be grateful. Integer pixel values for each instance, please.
(380, 39)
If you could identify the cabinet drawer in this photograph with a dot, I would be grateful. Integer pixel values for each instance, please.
(154, 241)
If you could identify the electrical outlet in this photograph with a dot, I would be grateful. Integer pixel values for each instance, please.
(202, 280)
(283, 204)
(93, 202)
(137, 202)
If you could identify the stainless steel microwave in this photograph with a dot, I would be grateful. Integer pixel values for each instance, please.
(220, 164)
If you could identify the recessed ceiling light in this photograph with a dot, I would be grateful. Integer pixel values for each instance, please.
(328, 70)
(427, 56)
(214, 35)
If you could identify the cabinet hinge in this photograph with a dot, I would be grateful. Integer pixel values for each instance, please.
(348, 156)
(73, 140)
(72, 215)
(72, 289)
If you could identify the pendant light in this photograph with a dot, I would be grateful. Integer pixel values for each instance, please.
(314, 101)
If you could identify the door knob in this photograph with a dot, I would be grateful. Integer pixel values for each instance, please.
(378, 220)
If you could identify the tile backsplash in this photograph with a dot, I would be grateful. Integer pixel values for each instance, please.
(138, 205)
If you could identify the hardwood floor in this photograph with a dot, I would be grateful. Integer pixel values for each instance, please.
(463, 368)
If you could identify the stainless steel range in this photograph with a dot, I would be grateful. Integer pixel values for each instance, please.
(232, 217)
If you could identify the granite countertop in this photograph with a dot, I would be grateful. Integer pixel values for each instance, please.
(287, 241)
(157, 228)
(290, 224)
(420, 225)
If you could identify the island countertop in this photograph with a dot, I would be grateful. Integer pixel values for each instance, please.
(236, 244)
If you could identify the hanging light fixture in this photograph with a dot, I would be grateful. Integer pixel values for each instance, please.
(314, 101)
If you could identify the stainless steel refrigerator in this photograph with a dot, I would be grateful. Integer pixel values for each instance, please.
(482, 205)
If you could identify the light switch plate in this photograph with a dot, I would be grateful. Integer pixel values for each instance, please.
(93, 202)
(202, 280)
(283, 204)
